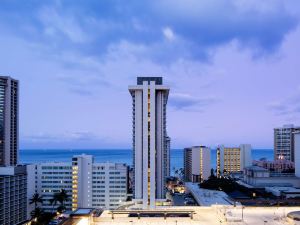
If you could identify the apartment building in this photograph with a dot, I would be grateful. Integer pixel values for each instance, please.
(89, 184)
(284, 142)
(13, 199)
(150, 140)
(233, 159)
(197, 164)
(13, 178)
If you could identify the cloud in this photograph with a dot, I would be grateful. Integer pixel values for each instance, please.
(83, 83)
(198, 27)
(290, 106)
(168, 33)
(65, 137)
(58, 23)
(181, 101)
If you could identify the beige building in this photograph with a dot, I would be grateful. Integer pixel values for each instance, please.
(196, 163)
(233, 159)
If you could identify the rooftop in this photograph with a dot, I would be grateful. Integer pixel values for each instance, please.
(216, 215)
(257, 168)
(205, 197)
(158, 80)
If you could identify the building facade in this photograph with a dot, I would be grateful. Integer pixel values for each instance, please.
(233, 159)
(197, 164)
(9, 125)
(13, 178)
(284, 142)
(88, 184)
(297, 153)
(13, 198)
(260, 177)
(150, 141)
(280, 165)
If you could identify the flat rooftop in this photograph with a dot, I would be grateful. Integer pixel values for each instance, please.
(205, 197)
(216, 215)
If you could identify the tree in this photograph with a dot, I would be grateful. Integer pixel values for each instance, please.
(60, 197)
(36, 213)
(212, 174)
(53, 202)
(36, 199)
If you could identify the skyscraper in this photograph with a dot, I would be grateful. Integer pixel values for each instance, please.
(9, 100)
(150, 140)
(284, 142)
(13, 178)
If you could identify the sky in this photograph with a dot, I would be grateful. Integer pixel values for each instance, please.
(232, 67)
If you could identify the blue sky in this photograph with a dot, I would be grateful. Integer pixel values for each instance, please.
(232, 66)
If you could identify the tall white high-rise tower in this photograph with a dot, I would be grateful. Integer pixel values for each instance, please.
(150, 140)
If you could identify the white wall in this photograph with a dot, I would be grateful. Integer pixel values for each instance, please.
(297, 154)
(30, 169)
(246, 157)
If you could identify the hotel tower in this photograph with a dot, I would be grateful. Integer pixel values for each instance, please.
(13, 177)
(150, 140)
(8, 121)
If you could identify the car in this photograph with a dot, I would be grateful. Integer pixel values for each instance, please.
(189, 202)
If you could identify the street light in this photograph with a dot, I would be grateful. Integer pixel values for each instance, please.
(242, 213)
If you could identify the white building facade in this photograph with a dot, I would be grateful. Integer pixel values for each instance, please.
(88, 184)
(297, 153)
(233, 159)
(150, 140)
(197, 164)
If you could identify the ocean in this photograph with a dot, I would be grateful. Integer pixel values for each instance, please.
(115, 155)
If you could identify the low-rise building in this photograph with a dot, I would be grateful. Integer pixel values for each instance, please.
(279, 165)
(285, 192)
(197, 163)
(233, 159)
(260, 177)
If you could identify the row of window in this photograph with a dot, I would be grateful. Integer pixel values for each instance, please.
(56, 167)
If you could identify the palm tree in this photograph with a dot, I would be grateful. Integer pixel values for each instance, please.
(60, 197)
(36, 199)
(36, 213)
(53, 202)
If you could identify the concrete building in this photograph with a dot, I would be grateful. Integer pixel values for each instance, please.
(89, 184)
(13, 180)
(297, 153)
(260, 177)
(280, 165)
(197, 164)
(9, 125)
(284, 142)
(13, 198)
(150, 140)
(233, 159)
